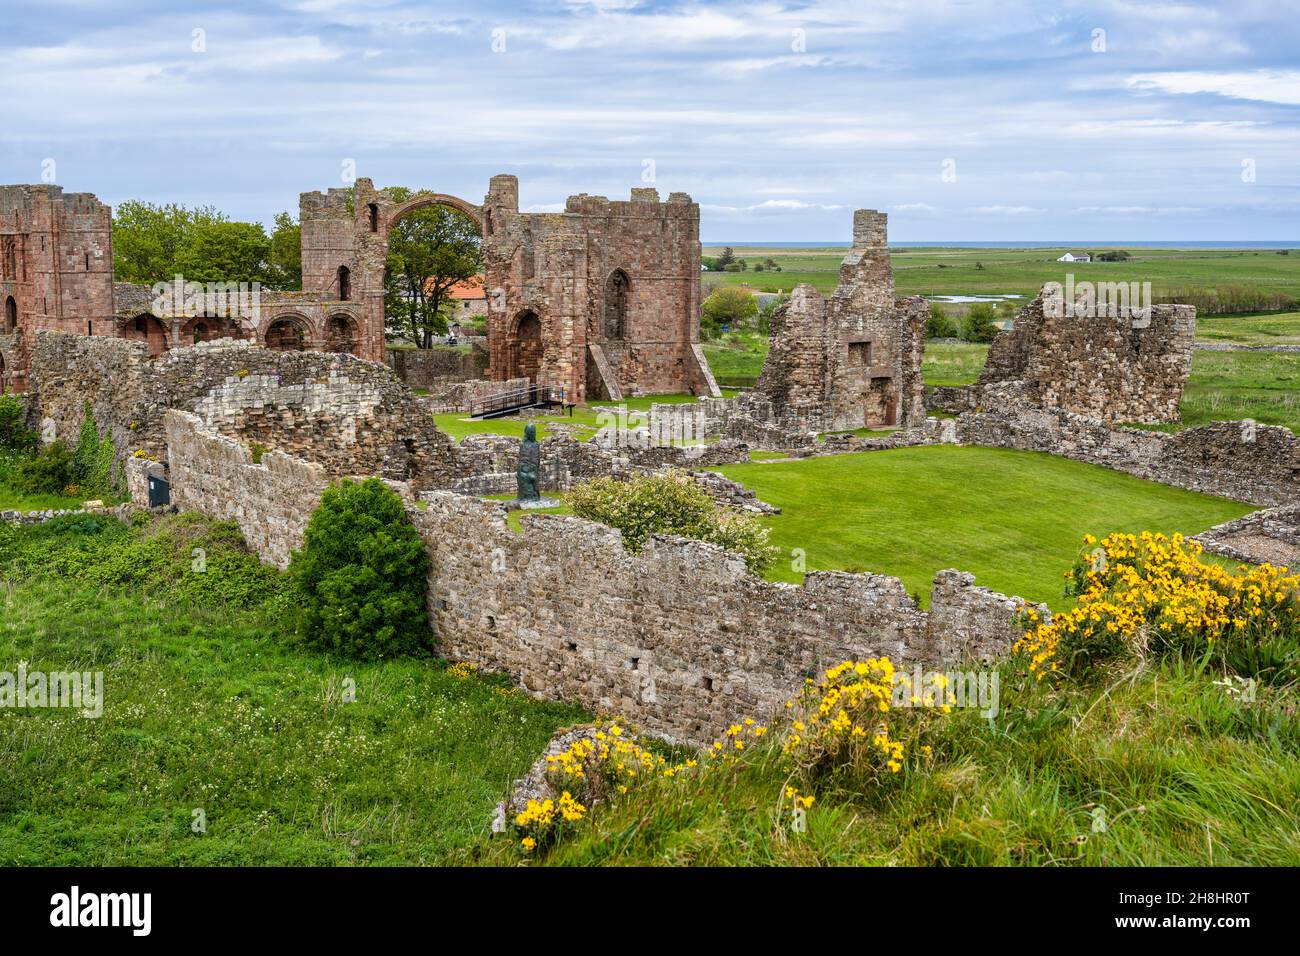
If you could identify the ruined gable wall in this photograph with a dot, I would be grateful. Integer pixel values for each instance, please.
(1108, 367)
(56, 261)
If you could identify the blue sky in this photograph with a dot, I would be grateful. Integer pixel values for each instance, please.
(779, 118)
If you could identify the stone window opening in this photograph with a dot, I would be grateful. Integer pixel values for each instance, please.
(345, 283)
(860, 354)
(200, 333)
(90, 327)
(87, 261)
(617, 292)
(11, 314)
(374, 217)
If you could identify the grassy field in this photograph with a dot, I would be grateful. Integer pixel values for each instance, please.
(1277, 328)
(938, 271)
(208, 707)
(1012, 518)
(1180, 773)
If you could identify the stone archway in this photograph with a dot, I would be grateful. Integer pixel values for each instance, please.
(341, 334)
(526, 346)
(431, 199)
(147, 329)
(288, 333)
(618, 293)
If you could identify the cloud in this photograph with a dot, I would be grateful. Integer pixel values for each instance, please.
(1269, 86)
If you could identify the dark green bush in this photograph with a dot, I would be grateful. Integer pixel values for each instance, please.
(361, 576)
(47, 472)
(14, 433)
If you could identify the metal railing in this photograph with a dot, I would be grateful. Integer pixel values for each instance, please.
(502, 403)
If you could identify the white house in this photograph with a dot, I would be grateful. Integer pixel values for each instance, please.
(1075, 257)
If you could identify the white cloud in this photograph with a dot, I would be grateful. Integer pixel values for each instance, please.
(1270, 86)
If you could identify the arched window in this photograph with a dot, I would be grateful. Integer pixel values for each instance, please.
(374, 216)
(617, 291)
(286, 335)
(200, 332)
(345, 283)
(11, 314)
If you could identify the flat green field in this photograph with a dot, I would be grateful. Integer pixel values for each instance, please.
(937, 271)
(1014, 519)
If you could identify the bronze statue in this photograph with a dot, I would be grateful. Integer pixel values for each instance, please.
(530, 464)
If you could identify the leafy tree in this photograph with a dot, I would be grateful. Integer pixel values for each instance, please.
(225, 252)
(729, 306)
(147, 238)
(286, 252)
(727, 258)
(767, 311)
(671, 503)
(940, 324)
(430, 249)
(361, 576)
(979, 325)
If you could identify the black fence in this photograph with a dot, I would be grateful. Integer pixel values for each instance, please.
(503, 403)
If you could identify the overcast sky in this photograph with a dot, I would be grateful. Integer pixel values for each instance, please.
(985, 119)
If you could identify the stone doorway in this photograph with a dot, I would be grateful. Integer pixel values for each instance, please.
(527, 347)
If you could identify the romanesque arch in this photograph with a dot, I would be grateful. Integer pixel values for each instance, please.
(287, 333)
(525, 346)
(341, 333)
(10, 320)
(147, 329)
(436, 199)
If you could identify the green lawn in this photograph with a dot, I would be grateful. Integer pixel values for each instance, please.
(1014, 519)
(208, 707)
(11, 500)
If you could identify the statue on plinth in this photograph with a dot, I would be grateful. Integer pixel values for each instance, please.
(530, 465)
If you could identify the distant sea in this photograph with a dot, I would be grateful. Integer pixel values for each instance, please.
(1062, 244)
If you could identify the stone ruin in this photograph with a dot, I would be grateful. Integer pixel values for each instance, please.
(602, 300)
(1120, 367)
(853, 360)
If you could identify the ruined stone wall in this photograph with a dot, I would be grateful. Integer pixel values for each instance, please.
(56, 270)
(1118, 368)
(271, 501)
(853, 360)
(437, 368)
(351, 416)
(1271, 535)
(681, 639)
(1259, 464)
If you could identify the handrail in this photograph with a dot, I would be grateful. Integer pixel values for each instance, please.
(503, 402)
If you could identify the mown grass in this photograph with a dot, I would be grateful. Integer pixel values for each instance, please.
(1157, 766)
(209, 707)
(1012, 518)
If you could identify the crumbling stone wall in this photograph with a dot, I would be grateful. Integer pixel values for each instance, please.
(437, 368)
(1119, 368)
(681, 638)
(1271, 535)
(853, 360)
(349, 415)
(271, 500)
(1259, 464)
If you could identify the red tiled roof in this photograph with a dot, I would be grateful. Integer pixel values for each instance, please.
(471, 288)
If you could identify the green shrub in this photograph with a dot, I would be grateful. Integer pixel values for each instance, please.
(14, 433)
(671, 503)
(361, 576)
(47, 472)
(727, 306)
(93, 461)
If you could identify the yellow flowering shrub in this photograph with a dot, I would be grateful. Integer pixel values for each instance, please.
(848, 719)
(1151, 593)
